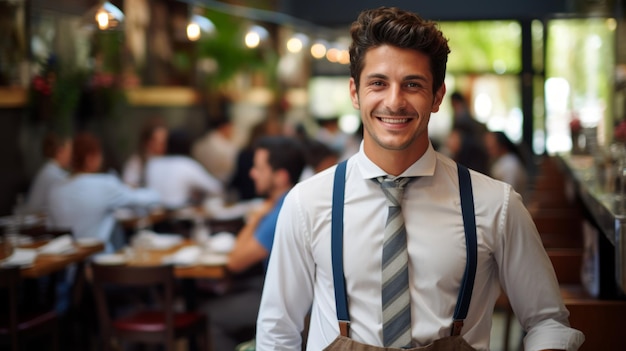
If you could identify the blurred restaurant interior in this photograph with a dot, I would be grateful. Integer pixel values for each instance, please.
(551, 75)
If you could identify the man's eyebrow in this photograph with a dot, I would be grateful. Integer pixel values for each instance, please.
(416, 77)
(409, 77)
(376, 76)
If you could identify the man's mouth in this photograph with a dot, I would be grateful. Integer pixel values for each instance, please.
(394, 120)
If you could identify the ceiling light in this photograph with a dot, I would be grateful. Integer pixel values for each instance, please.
(104, 16)
(297, 42)
(198, 25)
(256, 34)
(318, 49)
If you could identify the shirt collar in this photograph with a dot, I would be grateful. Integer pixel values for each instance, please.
(425, 166)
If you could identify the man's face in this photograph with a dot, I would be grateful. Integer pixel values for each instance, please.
(396, 99)
(262, 173)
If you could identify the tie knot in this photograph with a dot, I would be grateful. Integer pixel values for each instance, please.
(393, 188)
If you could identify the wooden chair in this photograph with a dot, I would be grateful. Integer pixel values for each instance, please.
(19, 324)
(152, 325)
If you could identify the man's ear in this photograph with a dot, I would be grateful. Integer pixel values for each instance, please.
(282, 177)
(354, 94)
(438, 98)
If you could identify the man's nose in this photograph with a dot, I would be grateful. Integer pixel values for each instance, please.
(395, 99)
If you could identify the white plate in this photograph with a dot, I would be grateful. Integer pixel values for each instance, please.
(87, 242)
(222, 242)
(110, 259)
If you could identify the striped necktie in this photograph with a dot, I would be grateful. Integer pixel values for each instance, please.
(396, 301)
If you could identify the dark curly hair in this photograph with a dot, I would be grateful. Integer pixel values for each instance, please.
(392, 26)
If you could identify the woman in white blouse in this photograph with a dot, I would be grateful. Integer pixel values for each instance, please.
(179, 179)
(152, 142)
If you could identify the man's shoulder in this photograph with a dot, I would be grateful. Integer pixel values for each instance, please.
(323, 179)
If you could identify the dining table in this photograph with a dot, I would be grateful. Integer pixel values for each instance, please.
(157, 256)
(47, 264)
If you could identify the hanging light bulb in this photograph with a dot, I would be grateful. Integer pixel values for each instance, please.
(297, 42)
(318, 49)
(104, 16)
(198, 25)
(255, 35)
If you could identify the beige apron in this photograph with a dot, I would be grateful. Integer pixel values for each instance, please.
(450, 343)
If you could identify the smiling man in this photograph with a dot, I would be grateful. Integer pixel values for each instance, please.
(399, 247)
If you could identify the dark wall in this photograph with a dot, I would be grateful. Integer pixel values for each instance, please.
(338, 13)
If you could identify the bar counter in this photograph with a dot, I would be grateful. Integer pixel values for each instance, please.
(599, 194)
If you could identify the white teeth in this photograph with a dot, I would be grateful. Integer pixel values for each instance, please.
(394, 120)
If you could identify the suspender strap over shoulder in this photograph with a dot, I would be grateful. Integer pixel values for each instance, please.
(337, 248)
(469, 224)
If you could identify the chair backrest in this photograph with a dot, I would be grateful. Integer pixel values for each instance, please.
(9, 282)
(105, 277)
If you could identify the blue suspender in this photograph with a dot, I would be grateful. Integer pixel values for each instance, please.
(469, 224)
(337, 248)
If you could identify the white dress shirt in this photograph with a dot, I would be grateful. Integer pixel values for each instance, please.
(510, 252)
(176, 177)
(509, 169)
(86, 204)
(50, 174)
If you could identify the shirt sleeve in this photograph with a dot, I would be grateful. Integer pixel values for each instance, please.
(528, 278)
(288, 289)
(121, 195)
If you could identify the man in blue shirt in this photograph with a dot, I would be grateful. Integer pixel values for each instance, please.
(277, 166)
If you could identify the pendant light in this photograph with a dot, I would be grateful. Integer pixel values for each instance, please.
(104, 16)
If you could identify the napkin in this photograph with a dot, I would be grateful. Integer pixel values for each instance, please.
(156, 241)
(20, 257)
(185, 256)
(222, 242)
(58, 246)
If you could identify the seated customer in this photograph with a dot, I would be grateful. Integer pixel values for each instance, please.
(152, 142)
(58, 151)
(86, 201)
(278, 163)
(179, 179)
(507, 162)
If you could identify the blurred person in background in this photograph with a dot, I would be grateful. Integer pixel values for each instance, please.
(152, 142)
(507, 162)
(241, 184)
(179, 179)
(87, 200)
(216, 150)
(277, 166)
(319, 156)
(58, 152)
(330, 133)
(466, 149)
(463, 118)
